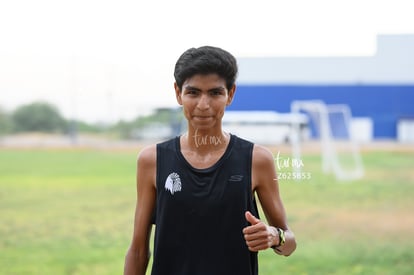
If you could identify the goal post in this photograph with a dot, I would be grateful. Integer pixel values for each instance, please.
(340, 153)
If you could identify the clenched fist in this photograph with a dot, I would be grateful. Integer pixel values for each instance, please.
(258, 235)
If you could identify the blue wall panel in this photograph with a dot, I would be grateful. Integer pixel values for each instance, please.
(385, 104)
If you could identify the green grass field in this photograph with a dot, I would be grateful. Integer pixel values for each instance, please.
(71, 212)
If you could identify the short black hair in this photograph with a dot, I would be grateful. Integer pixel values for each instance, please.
(206, 60)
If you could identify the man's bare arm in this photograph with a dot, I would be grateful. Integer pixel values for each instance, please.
(137, 257)
(259, 235)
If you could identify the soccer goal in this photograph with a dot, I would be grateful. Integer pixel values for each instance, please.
(331, 125)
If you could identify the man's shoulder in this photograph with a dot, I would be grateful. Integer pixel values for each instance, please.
(147, 155)
(262, 154)
(167, 143)
(239, 141)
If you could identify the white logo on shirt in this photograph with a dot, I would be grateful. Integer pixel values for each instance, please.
(173, 183)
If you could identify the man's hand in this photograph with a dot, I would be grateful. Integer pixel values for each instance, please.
(259, 236)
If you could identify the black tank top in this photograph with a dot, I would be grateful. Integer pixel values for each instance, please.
(199, 213)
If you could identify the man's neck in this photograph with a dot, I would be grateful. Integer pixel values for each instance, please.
(205, 140)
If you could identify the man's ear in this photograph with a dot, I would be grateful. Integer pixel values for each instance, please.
(232, 91)
(178, 93)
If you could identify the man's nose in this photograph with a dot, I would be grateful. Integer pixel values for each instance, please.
(204, 102)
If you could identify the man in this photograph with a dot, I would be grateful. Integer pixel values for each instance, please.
(199, 188)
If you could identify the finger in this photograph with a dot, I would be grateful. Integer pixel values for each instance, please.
(257, 248)
(255, 232)
(251, 219)
(257, 245)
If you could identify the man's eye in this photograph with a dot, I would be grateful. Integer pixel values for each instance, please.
(215, 93)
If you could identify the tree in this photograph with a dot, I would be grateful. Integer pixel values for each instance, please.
(38, 116)
(161, 117)
(5, 122)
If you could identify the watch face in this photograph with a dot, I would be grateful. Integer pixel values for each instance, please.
(281, 237)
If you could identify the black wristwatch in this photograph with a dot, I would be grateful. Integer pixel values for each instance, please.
(282, 238)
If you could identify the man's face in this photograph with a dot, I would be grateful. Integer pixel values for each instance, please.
(204, 99)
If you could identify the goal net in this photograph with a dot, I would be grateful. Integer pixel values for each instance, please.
(331, 125)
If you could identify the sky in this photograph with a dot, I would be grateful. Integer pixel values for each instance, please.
(105, 60)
